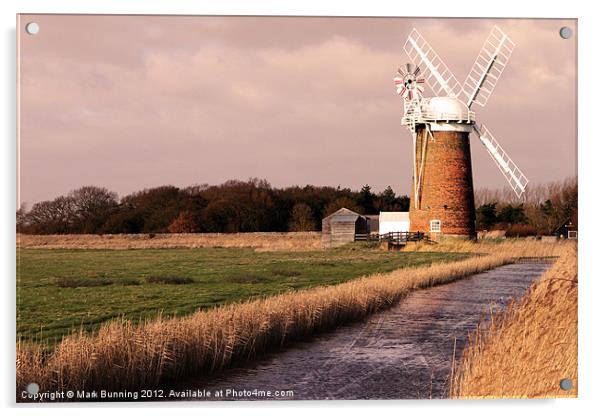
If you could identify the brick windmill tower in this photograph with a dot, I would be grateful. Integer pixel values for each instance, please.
(442, 197)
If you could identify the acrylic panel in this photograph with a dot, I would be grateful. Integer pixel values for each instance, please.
(295, 208)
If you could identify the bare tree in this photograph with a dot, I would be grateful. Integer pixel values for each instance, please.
(21, 220)
(92, 205)
(302, 218)
(52, 217)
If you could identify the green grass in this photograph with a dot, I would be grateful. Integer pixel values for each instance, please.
(59, 291)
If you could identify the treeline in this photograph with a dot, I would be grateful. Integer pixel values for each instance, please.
(234, 206)
(544, 209)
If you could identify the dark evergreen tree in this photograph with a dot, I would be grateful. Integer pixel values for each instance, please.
(487, 216)
(510, 214)
(366, 200)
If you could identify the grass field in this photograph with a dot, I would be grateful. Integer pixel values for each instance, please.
(62, 290)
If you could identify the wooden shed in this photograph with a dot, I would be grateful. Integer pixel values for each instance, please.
(373, 224)
(341, 227)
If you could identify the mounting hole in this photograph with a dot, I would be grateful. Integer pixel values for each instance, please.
(566, 32)
(33, 388)
(566, 384)
(32, 28)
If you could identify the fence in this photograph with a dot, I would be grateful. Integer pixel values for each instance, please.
(396, 237)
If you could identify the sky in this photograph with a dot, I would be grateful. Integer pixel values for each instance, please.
(133, 102)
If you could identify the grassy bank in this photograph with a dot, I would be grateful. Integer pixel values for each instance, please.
(527, 350)
(124, 355)
(62, 290)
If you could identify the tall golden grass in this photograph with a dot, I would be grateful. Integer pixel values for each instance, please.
(124, 355)
(526, 350)
(516, 247)
(261, 241)
(290, 241)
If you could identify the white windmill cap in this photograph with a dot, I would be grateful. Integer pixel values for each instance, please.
(446, 108)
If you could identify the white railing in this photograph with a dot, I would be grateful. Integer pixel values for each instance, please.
(420, 113)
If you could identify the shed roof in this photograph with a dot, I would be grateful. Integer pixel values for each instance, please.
(395, 216)
(343, 212)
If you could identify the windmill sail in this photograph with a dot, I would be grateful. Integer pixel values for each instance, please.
(515, 177)
(488, 67)
(438, 76)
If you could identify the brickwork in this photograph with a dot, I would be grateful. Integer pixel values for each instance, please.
(447, 192)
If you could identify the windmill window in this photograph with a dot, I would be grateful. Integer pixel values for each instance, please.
(435, 226)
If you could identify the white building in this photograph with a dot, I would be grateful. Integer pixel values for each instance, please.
(393, 222)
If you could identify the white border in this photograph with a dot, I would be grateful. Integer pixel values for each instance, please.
(589, 171)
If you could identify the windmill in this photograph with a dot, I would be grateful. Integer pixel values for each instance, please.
(442, 197)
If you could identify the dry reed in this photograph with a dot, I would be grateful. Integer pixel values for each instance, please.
(516, 247)
(526, 350)
(124, 355)
(294, 241)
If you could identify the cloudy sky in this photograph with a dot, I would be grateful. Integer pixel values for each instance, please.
(130, 102)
